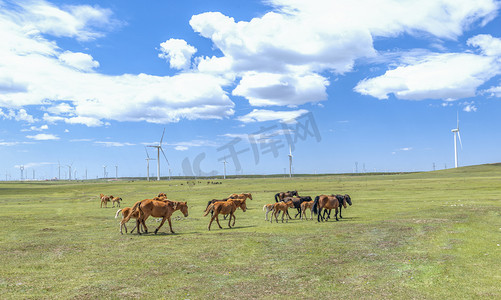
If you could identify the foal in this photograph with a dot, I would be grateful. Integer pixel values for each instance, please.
(281, 207)
(304, 206)
(105, 200)
(126, 212)
(117, 200)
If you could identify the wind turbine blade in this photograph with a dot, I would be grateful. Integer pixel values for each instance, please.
(459, 136)
(165, 156)
(162, 137)
(146, 152)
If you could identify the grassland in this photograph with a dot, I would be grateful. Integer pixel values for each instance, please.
(428, 235)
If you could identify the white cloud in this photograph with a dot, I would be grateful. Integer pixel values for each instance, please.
(264, 89)
(114, 144)
(433, 76)
(35, 128)
(469, 107)
(177, 52)
(489, 45)
(181, 148)
(43, 137)
(309, 37)
(263, 115)
(20, 115)
(82, 22)
(35, 71)
(78, 60)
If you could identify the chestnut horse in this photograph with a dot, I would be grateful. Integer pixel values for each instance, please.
(304, 206)
(225, 208)
(156, 209)
(105, 200)
(281, 207)
(325, 202)
(240, 196)
(125, 212)
(117, 200)
(280, 196)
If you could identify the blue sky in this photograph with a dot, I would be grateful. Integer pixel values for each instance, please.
(366, 85)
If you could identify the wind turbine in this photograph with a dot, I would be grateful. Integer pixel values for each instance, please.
(290, 161)
(148, 164)
(224, 162)
(456, 135)
(159, 148)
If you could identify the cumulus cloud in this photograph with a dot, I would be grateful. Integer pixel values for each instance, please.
(469, 107)
(264, 89)
(20, 115)
(78, 60)
(263, 115)
(177, 52)
(35, 128)
(433, 76)
(60, 80)
(43, 137)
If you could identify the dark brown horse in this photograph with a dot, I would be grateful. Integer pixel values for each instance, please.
(225, 208)
(325, 202)
(297, 203)
(280, 196)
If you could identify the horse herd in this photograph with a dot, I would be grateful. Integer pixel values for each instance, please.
(161, 207)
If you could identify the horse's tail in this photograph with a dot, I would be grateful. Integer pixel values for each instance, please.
(208, 204)
(276, 197)
(208, 209)
(315, 205)
(118, 212)
(133, 209)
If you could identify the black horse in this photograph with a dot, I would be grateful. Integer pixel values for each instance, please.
(297, 203)
(280, 196)
(340, 198)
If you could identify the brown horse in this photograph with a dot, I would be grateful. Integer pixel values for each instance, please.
(225, 208)
(105, 200)
(326, 202)
(125, 212)
(156, 209)
(280, 196)
(281, 207)
(304, 206)
(117, 200)
(240, 196)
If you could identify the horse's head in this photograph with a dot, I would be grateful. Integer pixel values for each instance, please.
(347, 198)
(306, 198)
(290, 203)
(249, 195)
(241, 203)
(183, 207)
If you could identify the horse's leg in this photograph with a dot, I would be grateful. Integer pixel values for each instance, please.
(163, 221)
(211, 219)
(234, 218)
(138, 223)
(143, 221)
(336, 215)
(217, 220)
(170, 225)
(319, 216)
(340, 209)
(298, 212)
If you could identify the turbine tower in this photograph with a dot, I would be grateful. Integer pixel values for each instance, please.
(456, 135)
(224, 162)
(290, 161)
(148, 164)
(159, 148)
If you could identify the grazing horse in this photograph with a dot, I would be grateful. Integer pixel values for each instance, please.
(156, 209)
(283, 207)
(125, 212)
(117, 200)
(240, 196)
(304, 206)
(280, 196)
(225, 208)
(325, 202)
(105, 200)
(343, 200)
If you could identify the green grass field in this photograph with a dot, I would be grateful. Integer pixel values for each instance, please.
(423, 235)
